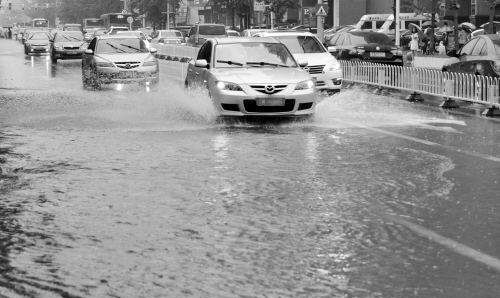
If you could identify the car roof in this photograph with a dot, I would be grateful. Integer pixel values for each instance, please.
(286, 33)
(72, 24)
(117, 37)
(72, 31)
(227, 40)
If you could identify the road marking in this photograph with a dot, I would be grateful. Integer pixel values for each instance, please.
(425, 142)
(451, 244)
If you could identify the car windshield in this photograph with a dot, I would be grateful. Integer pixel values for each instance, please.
(39, 36)
(129, 33)
(69, 36)
(254, 54)
(212, 30)
(121, 45)
(360, 39)
(301, 44)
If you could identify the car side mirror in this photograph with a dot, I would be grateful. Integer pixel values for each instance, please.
(201, 63)
(89, 52)
(302, 63)
(153, 50)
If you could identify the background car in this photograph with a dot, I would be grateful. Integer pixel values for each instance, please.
(366, 46)
(113, 29)
(169, 37)
(322, 66)
(119, 59)
(72, 27)
(252, 76)
(37, 42)
(480, 56)
(233, 33)
(67, 45)
(93, 32)
(201, 32)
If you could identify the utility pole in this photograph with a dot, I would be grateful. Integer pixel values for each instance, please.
(398, 23)
(168, 15)
(336, 13)
(125, 6)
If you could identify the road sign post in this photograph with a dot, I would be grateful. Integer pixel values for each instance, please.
(130, 20)
(320, 15)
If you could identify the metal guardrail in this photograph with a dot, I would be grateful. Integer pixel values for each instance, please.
(455, 86)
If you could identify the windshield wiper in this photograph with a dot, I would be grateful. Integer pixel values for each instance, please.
(262, 63)
(230, 62)
(115, 47)
(130, 47)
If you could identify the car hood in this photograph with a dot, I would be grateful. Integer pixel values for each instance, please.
(38, 41)
(316, 58)
(128, 57)
(261, 75)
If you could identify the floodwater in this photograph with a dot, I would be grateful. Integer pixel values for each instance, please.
(133, 194)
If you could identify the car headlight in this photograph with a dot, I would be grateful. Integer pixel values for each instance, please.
(305, 85)
(228, 86)
(104, 64)
(149, 63)
(332, 67)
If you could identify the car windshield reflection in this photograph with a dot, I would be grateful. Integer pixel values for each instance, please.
(255, 54)
(121, 45)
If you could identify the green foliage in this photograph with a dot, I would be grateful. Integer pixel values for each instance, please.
(72, 10)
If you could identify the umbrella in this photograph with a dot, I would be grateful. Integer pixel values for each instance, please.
(468, 25)
(445, 28)
(411, 25)
(426, 24)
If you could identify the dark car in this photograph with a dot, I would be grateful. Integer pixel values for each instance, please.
(37, 43)
(365, 46)
(480, 56)
(67, 45)
(201, 32)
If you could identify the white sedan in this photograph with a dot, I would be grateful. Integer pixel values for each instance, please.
(252, 76)
(324, 68)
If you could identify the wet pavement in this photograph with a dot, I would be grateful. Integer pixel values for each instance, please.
(133, 194)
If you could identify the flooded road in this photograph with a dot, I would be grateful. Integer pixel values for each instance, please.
(132, 194)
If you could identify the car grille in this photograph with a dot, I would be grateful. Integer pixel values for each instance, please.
(127, 65)
(320, 83)
(71, 48)
(269, 89)
(315, 69)
(252, 107)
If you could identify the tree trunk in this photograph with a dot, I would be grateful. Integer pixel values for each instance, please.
(432, 43)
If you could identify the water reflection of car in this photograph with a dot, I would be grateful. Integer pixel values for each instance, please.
(252, 76)
(169, 37)
(67, 45)
(365, 46)
(322, 66)
(119, 59)
(201, 32)
(480, 56)
(37, 43)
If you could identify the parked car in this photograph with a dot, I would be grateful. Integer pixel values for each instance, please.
(37, 43)
(366, 46)
(201, 32)
(480, 56)
(67, 45)
(322, 66)
(169, 37)
(119, 59)
(252, 76)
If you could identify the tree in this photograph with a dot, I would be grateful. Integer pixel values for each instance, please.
(153, 9)
(279, 7)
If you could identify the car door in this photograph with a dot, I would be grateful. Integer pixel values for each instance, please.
(193, 72)
(87, 59)
(204, 73)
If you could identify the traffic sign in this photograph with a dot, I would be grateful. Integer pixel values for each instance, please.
(321, 12)
(130, 20)
(307, 12)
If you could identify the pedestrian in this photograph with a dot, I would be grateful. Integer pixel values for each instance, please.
(9, 33)
(414, 42)
(463, 38)
(441, 49)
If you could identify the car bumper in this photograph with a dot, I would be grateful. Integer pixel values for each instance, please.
(296, 104)
(330, 81)
(120, 76)
(68, 54)
(38, 49)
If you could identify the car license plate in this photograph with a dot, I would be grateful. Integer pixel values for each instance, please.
(377, 54)
(270, 102)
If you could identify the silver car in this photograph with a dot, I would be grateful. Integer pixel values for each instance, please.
(119, 60)
(252, 76)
